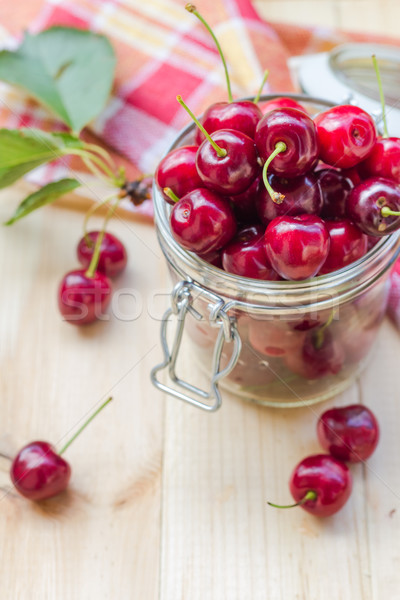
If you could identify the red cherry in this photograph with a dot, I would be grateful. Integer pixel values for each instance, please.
(177, 171)
(245, 255)
(384, 160)
(240, 115)
(38, 472)
(349, 433)
(83, 299)
(346, 135)
(244, 204)
(301, 195)
(329, 479)
(282, 102)
(297, 246)
(297, 131)
(112, 258)
(232, 173)
(367, 201)
(320, 355)
(202, 221)
(335, 188)
(347, 244)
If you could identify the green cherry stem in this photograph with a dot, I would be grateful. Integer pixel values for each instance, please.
(171, 195)
(264, 79)
(91, 212)
(85, 424)
(311, 495)
(277, 197)
(192, 9)
(96, 252)
(101, 152)
(220, 151)
(388, 212)
(381, 95)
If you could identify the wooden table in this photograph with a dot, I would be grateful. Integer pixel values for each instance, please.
(167, 502)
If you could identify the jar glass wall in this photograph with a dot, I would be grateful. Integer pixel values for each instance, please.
(301, 341)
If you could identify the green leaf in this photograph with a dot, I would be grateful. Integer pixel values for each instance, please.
(22, 150)
(69, 70)
(45, 195)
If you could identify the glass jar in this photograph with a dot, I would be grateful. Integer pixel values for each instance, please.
(277, 343)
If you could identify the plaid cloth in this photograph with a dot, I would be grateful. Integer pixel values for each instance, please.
(162, 51)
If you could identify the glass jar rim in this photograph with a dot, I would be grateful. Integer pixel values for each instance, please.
(194, 267)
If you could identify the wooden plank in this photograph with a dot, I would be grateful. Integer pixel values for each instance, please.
(102, 537)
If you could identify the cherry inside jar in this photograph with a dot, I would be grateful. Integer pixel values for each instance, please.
(301, 341)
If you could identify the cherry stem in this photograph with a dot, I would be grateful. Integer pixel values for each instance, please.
(277, 197)
(381, 95)
(388, 212)
(192, 9)
(85, 424)
(101, 152)
(319, 334)
(264, 79)
(220, 151)
(171, 195)
(311, 495)
(96, 253)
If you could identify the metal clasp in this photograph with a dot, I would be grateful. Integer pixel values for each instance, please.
(183, 296)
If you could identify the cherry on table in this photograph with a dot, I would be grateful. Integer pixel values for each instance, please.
(82, 298)
(347, 244)
(39, 472)
(297, 246)
(112, 258)
(177, 171)
(245, 255)
(320, 484)
(346, 135)
(202, 221)
(350, 433)
(301, 195)
(367, 203)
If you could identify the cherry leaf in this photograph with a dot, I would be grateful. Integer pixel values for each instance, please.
(47, 194)
(69, 70)
(22, 150)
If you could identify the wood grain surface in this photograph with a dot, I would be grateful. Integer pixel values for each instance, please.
(166, 502)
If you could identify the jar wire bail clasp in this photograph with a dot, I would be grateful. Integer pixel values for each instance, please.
(183, 296)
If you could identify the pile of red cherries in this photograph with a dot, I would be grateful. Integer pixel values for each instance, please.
(272, 193)
(322, 483)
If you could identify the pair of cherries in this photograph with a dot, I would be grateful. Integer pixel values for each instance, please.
(84, 294)
(322, 483)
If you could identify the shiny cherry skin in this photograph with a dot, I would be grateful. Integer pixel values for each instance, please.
(366, 201)
(38, 472)
(302, 196)
(297, 246)
(320, 355)
(347, 244)
(334, 188)
(177, 171)
(346, 135)
(325, 475)
(83, 299)
(353, 174)
(231, 174)
(245, 255)
(282, 102)
(384, 160)
(297, 130)
(350, 433)
(244, 204)
(240, 115)
(202, 221)
(112, 258)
